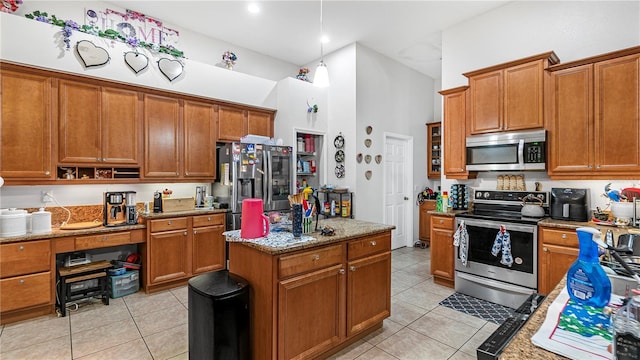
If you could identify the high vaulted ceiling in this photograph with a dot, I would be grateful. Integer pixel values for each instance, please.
(408, 31)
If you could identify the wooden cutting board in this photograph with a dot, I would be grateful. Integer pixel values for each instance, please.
(80, 225)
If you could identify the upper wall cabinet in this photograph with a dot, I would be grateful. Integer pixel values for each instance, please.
(508, 96)
(454, 126)
(199, 160)
(161, 137)
(97, 125)
(595, 107)
(25, 148)
(234, 123)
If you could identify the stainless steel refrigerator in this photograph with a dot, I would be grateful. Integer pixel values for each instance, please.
(255, 171)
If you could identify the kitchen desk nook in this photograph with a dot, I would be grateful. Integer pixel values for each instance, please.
(314, 295)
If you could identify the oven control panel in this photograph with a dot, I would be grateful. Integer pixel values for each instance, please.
(502, 196)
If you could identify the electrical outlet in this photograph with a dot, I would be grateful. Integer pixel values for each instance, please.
(46, 196)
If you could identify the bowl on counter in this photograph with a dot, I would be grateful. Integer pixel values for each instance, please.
(624, 210)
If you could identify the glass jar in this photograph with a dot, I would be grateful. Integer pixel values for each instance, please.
(625, 323)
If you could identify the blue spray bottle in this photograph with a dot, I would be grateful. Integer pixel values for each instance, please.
(587, 283)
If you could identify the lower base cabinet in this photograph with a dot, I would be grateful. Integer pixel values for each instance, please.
(309, 303)
(557, 250)
(442, 250)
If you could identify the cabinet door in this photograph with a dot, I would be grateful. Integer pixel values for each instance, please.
(454, 155)
(485, 102)
(424, 232)
(25, 148)
(208, 249)
(311, 313)
(434, 148)
(555, 261)
(231, 123)
(369, 292)
(523, 96)
(161, 137)
(121, 126)
(168, 256)
(199, 140)
(571, 123)
(617, 115)
(79, 126)
(442, 252)
(259, 123)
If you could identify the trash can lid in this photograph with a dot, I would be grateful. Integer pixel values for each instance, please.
(218, 284)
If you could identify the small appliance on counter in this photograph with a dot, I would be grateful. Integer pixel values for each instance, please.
(120, 208)
(201, 193)
(570, 204)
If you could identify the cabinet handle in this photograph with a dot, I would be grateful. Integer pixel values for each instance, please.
(195, 232)
(545, 249)
(564, 236)
(341, 271)
(315, 257)
(47, 172)
(373, 243)
(590, 166)
(209, 218)
(177, 173)
(598, 166)
(169, 222)
(186, 173)
(441, 221)
(185, 233)
(352, 268)
(20, 247)
(21, 281)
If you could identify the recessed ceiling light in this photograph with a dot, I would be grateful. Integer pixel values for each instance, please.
(253, 8)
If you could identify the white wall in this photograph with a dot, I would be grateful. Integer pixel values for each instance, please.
(574, 30)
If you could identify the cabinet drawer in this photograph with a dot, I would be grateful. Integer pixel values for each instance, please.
(310, 260)
(442, 222)
(564, 237)
(368, 246)
(428, 205)
(24, 291)
(208, 220)
(168, 224)
(102, 240)
(25, 258)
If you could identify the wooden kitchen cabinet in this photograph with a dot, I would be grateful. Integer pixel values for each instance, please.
(161, 137)
(454, 154)
(442, 249)
(178, 248)
(434, 150)
(26, 121)
(97, 125)
(199, 160)
(234, 123)
(26, 283)
(596, 107)
(508, 96)
(557, 250)
(168, 250)
(424, 229)
(307, 303)
(208, 243)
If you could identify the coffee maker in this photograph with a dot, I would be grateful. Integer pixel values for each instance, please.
(120, 208)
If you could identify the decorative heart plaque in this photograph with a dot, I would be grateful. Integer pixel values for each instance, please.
(90, 54)
(136, 61)
(170, 68)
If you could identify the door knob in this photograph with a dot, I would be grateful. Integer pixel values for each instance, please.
(406, 198)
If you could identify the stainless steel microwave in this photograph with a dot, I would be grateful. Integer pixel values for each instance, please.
(517, 150)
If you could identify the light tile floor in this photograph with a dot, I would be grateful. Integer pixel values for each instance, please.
(141, 326)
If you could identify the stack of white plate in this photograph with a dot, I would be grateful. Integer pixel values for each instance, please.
(13, 222)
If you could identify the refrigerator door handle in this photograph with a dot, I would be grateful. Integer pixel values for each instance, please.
(266, 184)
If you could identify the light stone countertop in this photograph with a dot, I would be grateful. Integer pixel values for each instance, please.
(283, 242)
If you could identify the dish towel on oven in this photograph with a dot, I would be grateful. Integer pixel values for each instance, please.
(503, 243)
(461, 239)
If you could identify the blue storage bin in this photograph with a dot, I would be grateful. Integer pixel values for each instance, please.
(125, 284)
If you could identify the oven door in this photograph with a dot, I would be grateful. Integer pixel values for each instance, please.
(480, 261)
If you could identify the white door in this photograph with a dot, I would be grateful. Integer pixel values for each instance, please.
(398, 181)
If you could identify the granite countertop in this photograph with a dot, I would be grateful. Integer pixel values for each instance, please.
(56, 232)
(520, 346)
(282, 242)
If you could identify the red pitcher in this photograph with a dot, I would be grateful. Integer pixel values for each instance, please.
(254, 224)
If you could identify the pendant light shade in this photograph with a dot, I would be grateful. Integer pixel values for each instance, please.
(321, 76)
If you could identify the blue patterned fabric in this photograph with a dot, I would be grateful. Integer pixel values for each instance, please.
(461, 240)
(502, 243)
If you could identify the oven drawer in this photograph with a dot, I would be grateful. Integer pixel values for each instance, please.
(562, 237)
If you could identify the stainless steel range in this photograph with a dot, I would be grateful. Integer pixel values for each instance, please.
(500, 278)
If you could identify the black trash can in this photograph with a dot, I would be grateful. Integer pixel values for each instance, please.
(219, 317)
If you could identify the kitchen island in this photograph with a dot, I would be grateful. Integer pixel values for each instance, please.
(315, 295)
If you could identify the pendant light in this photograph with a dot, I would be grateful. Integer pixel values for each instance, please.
(321, 77)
